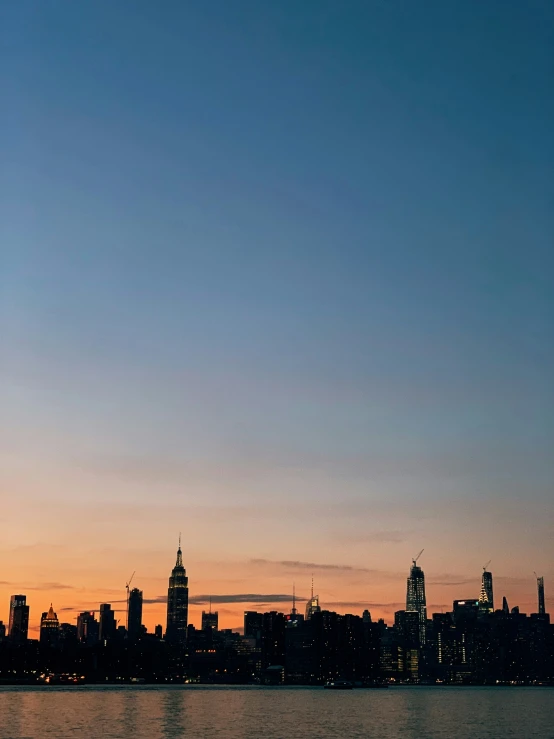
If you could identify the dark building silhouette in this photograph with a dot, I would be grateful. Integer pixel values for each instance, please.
(408, 636)
(466, 608)
(87, 628)
(134, 614)
(505, 607)
(177, 602)
(49, 628)
(158, 631)
(540, 593)
(253, 625)
(486, 597)
(18, 627)
(209, 620)
(108, 624)
(415, 597)
(273, 639)
(2, 631)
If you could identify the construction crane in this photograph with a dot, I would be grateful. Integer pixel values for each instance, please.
(127, 586)
(485, 566)
(418, 556)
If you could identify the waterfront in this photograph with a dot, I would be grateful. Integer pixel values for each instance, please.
(275, 713)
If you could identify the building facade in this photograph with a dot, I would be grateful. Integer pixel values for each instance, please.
(177, 602)
(415, 597)
(49, 628)
(108, 624)
(18, 625)
(134, 614)
(540, 593)
(486, 597)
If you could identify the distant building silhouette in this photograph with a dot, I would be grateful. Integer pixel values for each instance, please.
(415, 597)
(134, 614)
(49, 628)
(312, 606)
(252, 624)
(2, 631)
(540, 593)
(486, 598)
(505, 607)
(177, 602)
(87, 628)
(108, 625)
(18, 626)
(209, 620)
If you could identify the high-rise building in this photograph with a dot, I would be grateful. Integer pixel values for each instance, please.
(210, 620)
(18, 625)
(540, 592)
(49, 628)
(108, 625)
(87, 628)
(312, 605)
(253, 624)
(177, 602)
(505, 607)
(415, 597)
(486, 598)
(134, 614)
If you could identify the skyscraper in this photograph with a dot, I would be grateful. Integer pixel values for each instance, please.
(18, 626)
(540, 591)
(210, 620)
(415, 596)
(108, 624)
(87, 628)
(134, 614)
(177, 602)
(49, 628)
(486, 598)
(312, 606)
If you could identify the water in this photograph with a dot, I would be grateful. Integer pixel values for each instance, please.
(275, 713)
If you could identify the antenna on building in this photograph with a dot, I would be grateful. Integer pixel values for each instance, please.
(179, 539)
(312, 585)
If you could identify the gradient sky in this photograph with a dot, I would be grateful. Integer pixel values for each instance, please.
(278, 275)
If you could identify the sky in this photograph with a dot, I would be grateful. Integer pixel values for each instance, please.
(278, 276)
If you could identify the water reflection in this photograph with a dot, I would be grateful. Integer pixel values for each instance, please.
(249, 713)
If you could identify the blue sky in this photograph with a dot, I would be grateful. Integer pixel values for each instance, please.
(294, 251)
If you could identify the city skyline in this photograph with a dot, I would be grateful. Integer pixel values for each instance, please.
(415, 600)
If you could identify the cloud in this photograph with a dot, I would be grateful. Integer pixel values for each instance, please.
(259, 598)
(361, 604)
(444, 581)
(49, 586)
(298, 565)
(245, 598)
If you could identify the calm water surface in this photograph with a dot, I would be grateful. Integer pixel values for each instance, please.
(275, 713)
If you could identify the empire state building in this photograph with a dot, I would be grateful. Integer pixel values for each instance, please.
(177, 602)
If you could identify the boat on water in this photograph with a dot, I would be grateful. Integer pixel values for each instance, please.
(338, 685)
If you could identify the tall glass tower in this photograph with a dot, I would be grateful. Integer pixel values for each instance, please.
(177, 602)
(134, 614)
(415, 597)
(486, 598)
(540, 591)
